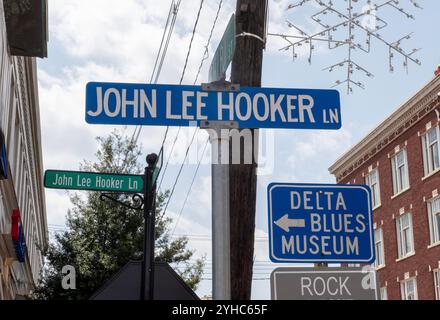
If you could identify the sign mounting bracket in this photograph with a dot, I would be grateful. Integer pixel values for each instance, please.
(220, 85)
(137, 199)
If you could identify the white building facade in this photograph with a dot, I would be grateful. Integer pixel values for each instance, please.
(23, 224)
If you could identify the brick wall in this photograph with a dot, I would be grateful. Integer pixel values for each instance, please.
(425, 258)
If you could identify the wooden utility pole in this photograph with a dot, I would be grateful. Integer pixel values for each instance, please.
(246, 71)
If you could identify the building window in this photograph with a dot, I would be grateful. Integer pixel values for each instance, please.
(409, 289)
(434, 220)
(372, 180)
(431, 150)
(383, 293)
(405, 239)
(380, 252)
(437, 283)
(400, 172)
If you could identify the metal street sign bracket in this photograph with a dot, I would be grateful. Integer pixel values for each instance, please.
(216, 125)
(248, 34)
(137, 199)
(220, 85)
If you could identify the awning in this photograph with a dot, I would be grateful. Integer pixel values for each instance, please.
(26, 25)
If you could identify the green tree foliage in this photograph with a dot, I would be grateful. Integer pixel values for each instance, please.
(102, 236)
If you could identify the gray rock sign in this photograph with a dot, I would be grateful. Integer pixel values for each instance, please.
(324, 284)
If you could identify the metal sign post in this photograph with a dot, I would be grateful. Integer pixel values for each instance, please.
(147, 268)
(219, 138)
(221, 269)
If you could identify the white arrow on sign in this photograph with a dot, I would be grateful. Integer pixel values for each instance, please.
(285, 223)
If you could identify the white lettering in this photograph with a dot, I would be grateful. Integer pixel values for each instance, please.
(222, 106)
(291, 107)
(275, 106)
(201, 104)
(134, 103)
(169, 115)
(340, 202)
(315, 220)
(107, 94)
(248, 106)
(150, 105)
(261, 96)
(295, 204)
(306, 286)
(186, 104)
(99, 103)
(306, 107)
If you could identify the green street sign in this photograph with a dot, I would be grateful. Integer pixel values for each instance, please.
(77, 180)
(224, 53)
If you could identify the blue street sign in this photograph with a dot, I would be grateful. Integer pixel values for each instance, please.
(317, 223)
(172, 105)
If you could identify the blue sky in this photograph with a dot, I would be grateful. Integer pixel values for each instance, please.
(109, 40)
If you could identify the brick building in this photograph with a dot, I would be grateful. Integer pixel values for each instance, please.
(400, 161)
(23, 225)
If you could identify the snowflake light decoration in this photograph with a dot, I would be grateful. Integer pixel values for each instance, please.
(349, 22)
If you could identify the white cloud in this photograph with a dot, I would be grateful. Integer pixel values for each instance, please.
(202, 201)
(58, 205)
(318, 149)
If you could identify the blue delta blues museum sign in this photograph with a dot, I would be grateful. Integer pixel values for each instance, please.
(173, 105)
(313, 223)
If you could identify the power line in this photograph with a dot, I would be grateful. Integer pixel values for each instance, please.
(190, 187)
(208, 237)
(173, 22)
(180, 82)
(205, 55)
(174, 9)
(169, 155)
(163, 38)
(192, 38)
(180, 171)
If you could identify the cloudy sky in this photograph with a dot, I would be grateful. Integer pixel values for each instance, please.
(117, 41)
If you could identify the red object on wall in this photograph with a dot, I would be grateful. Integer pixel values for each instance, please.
(15, 230)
